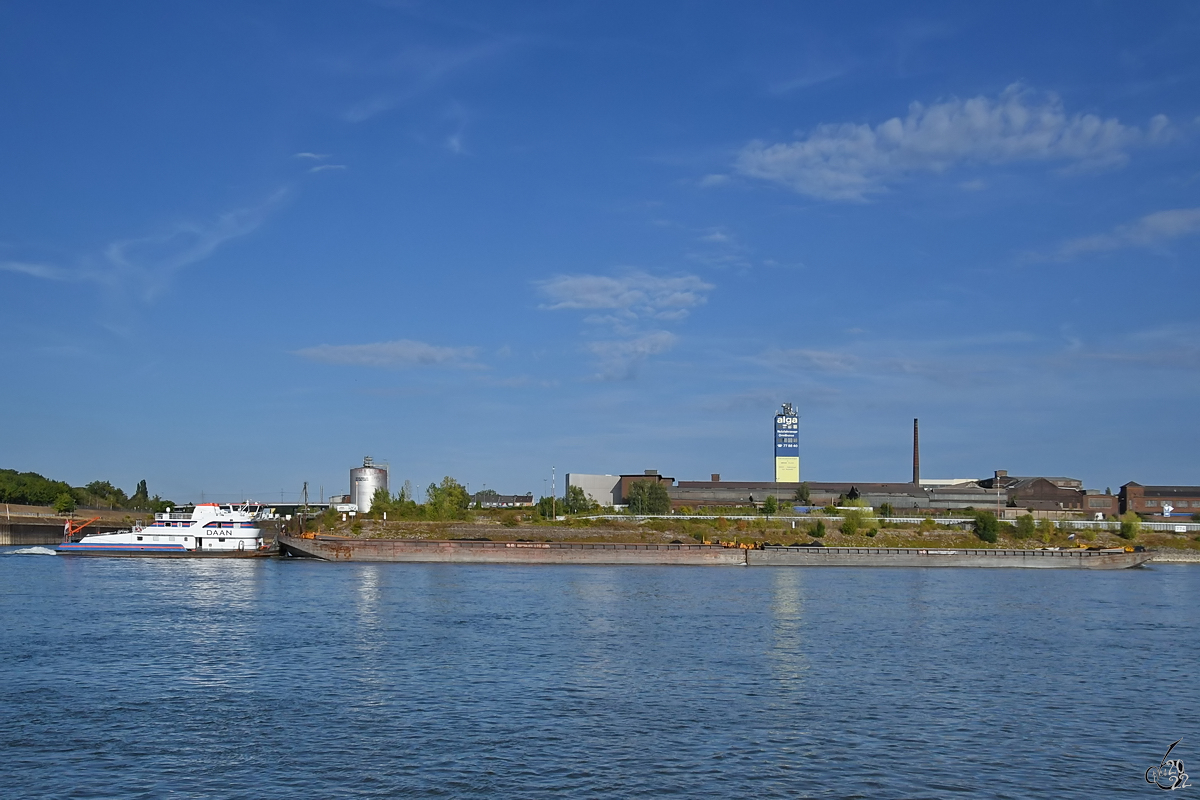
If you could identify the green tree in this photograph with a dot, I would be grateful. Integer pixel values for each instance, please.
(29, 488)
(1025, 526)
(648, 497)
(803, 496)
(770, 505)
(381, 502)
(886, 510)
(576, 501)
(64, 503)
(447, 500)
(818, 530)
(104, 493)
(547, 508)
(986, 526)
(141, 497)
(1131, 524)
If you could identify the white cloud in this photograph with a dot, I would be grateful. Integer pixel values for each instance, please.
(323, 167)
(1150, 230)
(43, 271)
(619, 359)
(849, 161)
(632, 298)
(313, 156)
(397, 354)
(635, 294)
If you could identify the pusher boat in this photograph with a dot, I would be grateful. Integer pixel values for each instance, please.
(211, 530)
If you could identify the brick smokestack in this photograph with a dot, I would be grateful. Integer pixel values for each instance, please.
(916, 454)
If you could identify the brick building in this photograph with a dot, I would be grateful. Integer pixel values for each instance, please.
(1150, 500)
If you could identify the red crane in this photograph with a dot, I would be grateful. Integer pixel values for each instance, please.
(70, 529)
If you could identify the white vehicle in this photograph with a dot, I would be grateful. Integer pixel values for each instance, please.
(210, 530)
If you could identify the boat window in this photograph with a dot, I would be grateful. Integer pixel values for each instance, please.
(139, 538)
(221, 539)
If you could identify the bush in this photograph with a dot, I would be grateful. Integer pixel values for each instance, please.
(1025, 526)
(871, 533)
(1131, 524)
(986, 526)
(927, 525)
(886, 510)
(818, 532)
(852, 521)
(509, 519)
(770, 505)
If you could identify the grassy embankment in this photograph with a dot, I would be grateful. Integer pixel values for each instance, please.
(875, 532)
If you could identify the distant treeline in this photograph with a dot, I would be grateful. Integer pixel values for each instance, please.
(30, 488)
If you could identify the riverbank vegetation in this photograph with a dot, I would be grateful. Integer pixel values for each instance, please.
(30, 488)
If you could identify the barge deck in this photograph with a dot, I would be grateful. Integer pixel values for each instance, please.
(335, 548)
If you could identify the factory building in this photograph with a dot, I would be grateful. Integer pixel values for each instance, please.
(1183, 501)
(604, 490)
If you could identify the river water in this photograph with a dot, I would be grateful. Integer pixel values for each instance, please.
(132, 678)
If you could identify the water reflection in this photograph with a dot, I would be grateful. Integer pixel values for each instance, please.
(786, 655)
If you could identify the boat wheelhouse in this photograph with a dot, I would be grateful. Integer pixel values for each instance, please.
(210, 529)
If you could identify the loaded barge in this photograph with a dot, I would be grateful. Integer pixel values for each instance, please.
(336, 548)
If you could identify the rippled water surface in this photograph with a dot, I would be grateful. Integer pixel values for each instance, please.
(126, 678)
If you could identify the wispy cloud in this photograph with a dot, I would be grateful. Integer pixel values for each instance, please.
(150, 261)
(806, 81)
(1149, 231)
(848, 161)
(418, 70)
(634, 294)
(43, 271)
(324, 167)
(144, 265)
(635, 300)
(311, 156)
(619, 359)
(398, 354)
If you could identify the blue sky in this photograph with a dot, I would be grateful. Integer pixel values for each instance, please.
(244, 244)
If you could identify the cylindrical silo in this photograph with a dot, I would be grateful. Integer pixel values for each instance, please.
(364, 481)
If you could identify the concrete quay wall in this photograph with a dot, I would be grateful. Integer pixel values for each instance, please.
(30, 533)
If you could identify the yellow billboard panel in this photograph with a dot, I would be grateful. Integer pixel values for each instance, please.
(787, 469)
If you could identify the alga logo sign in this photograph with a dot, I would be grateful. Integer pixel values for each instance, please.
(1168, 773)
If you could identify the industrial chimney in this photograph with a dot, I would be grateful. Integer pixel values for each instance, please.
(916, 455)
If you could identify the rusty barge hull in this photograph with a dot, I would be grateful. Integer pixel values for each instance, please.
(332, 548)
(933, 557)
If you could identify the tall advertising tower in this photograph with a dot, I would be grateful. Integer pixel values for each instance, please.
(787, 445)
